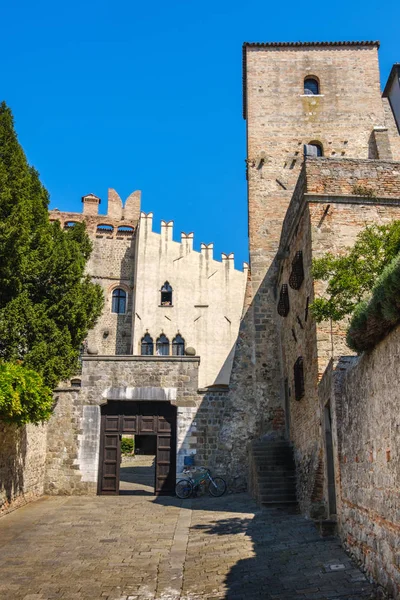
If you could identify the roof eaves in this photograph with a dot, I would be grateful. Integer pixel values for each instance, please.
(299, 44)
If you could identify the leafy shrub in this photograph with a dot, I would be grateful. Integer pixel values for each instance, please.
(24, 398)
(127, 445)
(373, 319)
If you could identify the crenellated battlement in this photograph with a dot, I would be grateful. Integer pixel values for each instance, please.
(120, 221)
(186, 242)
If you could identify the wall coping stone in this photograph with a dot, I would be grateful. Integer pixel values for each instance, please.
(131, 358)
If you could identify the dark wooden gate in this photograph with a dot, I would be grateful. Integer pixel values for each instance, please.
(141, 418)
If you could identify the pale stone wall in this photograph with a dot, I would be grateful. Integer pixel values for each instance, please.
(22, 464)
(207, 298)
(392, 92)
(364, 393)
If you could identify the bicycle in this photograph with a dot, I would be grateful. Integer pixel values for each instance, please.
(188, 487)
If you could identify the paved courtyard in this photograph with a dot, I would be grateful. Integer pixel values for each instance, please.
(141, 547)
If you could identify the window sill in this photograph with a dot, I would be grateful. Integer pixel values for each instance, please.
(165, 306)
(312, 95)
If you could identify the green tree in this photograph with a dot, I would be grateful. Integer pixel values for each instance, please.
(47, 303)
(352, 276)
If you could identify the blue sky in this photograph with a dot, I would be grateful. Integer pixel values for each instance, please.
(148, 96)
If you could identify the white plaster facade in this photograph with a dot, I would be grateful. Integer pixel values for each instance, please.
(207, 298)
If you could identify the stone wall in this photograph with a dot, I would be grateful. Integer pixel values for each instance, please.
(111, 264)
(22, 464)
(74, 428)
(365, 402)
(280, 120)
(315, 224)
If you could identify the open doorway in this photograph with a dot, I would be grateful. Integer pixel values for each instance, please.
(138, 465)
(152, 426)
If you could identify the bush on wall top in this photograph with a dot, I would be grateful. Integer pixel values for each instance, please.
(374, 319)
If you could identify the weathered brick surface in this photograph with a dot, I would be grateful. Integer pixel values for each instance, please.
(365, 401)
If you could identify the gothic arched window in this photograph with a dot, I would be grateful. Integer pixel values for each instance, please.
(178, 346)
(166, 295)
(147, 345)
(311, 86)
(162, 346)
(118, 301)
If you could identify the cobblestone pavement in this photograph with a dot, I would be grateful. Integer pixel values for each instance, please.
(142, 547)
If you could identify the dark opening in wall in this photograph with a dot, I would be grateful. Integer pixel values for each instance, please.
(298, 371)
(283, 304)
(311, 86)
(297, 275)
(166, 294)
(104, 228)
(147, 345)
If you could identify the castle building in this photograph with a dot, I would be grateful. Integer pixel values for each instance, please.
(230, 366)
(161, 350)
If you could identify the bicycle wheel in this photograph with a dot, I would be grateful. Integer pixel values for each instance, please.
(184, 489)
(217, 487)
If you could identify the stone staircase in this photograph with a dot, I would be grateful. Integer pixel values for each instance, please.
(272, 473)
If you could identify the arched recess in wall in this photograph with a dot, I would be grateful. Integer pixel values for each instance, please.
(147, 345)
(162, 345)
(110, 296)
(314, 149)
(166, 295)
(311, 85)
(178, 345)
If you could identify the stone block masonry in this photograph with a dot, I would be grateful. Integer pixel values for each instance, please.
(364, 396)
(22, 464)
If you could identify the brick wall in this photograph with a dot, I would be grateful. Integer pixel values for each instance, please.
(365, 401)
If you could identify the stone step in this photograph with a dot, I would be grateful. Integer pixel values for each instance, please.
(272, 503)
(277, 485)
(278, 498)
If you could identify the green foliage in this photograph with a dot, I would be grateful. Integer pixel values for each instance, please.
(127, 445)
(361, 190)
(373, 319)
(24, 398)
(47, 303)
(352, 276)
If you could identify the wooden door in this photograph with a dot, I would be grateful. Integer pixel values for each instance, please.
(166, 452)
(110, 455)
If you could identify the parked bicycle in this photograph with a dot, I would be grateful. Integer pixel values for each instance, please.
(185, 488)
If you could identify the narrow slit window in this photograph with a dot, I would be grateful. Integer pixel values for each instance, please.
(162, 346)
(297, 275)
(283, 304)
(178, 346)
(147, 345)
(166, 295)
(118, 301)
(298, 371)
(311, 86)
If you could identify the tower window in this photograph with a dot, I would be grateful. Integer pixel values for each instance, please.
(313, 149)
(147, 346)
(166, 295)
(162, 346)
(311, 86)
(118, 301)
(178, 346)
